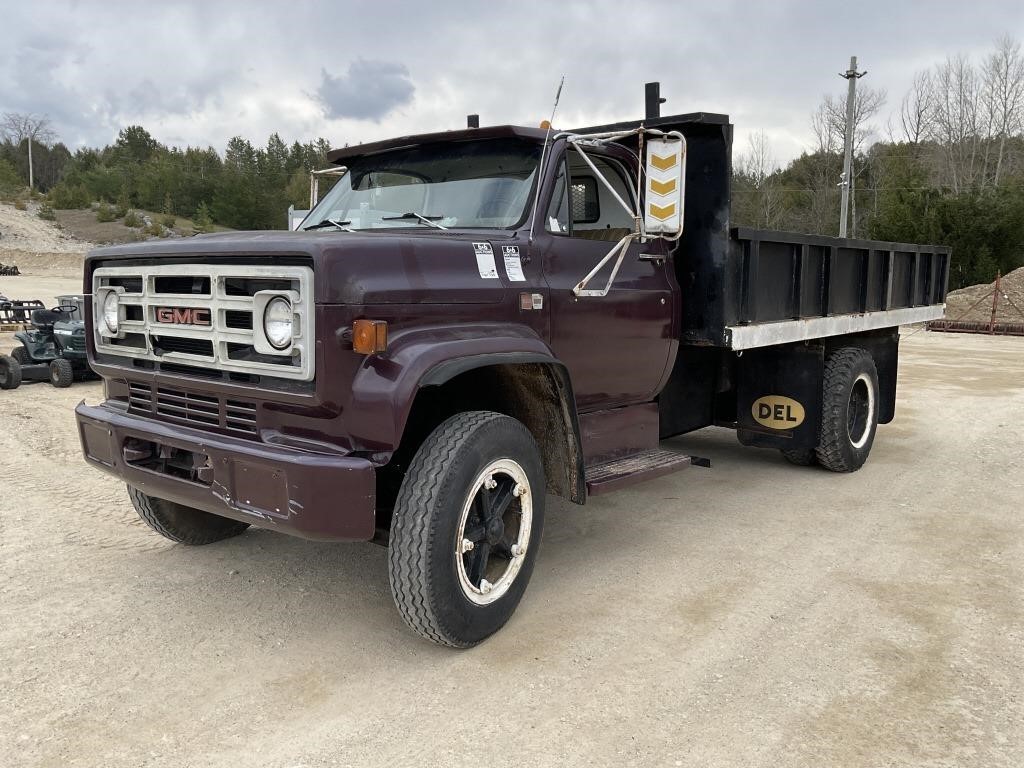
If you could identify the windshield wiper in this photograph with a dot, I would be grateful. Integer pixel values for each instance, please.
(430, 221)
(329, 223)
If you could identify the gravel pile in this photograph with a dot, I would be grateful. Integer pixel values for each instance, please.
(959, 303)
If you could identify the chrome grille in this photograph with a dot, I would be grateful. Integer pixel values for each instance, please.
(199, 410)
(232, 297)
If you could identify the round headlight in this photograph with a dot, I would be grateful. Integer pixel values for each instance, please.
(277, 322)
(111, 303)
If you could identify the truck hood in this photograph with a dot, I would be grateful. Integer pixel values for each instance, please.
(398, 266)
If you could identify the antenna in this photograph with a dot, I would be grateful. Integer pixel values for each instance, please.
(543, 155)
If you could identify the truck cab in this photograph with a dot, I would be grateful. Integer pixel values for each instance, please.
(470, 321)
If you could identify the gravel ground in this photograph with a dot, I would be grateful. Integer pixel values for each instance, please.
(753, 614)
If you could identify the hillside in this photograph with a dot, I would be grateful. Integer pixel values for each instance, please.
(37, 247)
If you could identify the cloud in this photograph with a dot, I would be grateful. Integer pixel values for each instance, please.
(165, 66)
(368, 91)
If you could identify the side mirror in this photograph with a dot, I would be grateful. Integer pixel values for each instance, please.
(666, 186)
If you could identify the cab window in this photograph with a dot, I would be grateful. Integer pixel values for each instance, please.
(584, 208)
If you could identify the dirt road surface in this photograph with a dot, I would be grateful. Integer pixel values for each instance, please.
(753, 614)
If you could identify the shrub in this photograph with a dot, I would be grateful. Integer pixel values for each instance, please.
(132, 219)
(153, 228)
(105, 213)
(123, 206)
(169, 220)
(46, 212)
(19, 204)
(203, 222)
(66, 197)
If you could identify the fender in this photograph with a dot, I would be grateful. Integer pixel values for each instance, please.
(33, 346)
(386, 385)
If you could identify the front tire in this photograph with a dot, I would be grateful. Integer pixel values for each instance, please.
(849, 414)
(466, 528)
(181, 524)
(21, 355)
(62, 373)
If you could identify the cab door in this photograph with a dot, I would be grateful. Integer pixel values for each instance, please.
(619, 348)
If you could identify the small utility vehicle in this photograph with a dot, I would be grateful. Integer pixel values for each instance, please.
(53, 349)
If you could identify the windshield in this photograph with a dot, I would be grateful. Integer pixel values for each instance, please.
(475, 184)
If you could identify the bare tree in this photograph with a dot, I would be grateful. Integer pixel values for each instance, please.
(758, 167)
(917, 110)
(829, 121)
(1003, 93)
(27, 127)
(959, 125)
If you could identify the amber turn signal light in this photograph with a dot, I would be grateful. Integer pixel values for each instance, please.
(369, 336)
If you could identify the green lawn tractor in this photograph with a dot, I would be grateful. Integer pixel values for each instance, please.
(52, 349)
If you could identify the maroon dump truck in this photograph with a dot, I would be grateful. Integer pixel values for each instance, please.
(469, 321)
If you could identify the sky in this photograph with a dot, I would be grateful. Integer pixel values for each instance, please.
(198, 73)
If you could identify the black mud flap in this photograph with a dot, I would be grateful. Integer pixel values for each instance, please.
(778, 396)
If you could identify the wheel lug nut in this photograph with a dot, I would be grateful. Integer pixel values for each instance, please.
(518, 551)
(467, 545)
(519, 490)
(490, 483)
(485, 586)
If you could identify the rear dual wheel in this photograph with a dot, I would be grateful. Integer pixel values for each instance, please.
(849, 413)
(466, 528)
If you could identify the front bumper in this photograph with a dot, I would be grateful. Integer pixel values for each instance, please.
(311, 495)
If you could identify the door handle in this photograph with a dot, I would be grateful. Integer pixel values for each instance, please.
(652, 257)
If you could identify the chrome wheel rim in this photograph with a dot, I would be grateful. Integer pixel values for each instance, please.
(493, 531)
(860, 412)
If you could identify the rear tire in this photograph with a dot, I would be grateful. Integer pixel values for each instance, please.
(62, 373)
(801, 457)
(849, 415)
(466, 528)
(182, 524)
(10, 372)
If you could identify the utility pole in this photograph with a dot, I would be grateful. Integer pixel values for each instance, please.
(852, 76)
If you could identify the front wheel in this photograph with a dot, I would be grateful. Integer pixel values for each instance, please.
(62, 373)
(466, 527)
(182, 524)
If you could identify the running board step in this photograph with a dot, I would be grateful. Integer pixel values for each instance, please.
(635, 468)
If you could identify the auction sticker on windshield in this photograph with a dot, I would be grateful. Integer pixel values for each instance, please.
(513, 265)
(485, 260)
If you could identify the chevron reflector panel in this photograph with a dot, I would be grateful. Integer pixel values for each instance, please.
(666, 175)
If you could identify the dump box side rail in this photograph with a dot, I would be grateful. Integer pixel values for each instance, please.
(793, 287)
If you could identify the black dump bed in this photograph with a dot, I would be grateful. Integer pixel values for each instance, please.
(745, 288)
